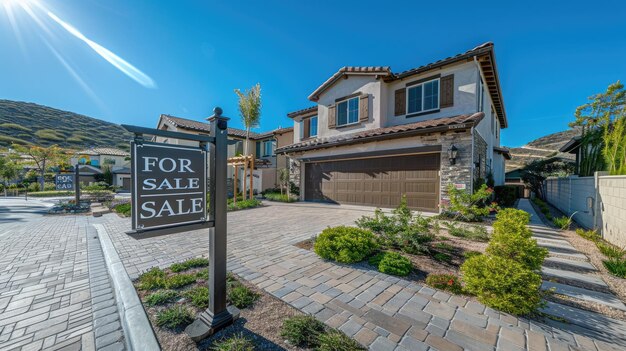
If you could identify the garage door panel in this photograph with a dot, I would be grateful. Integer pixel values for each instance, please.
(377, 181)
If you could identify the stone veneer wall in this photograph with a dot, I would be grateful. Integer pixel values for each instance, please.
(294, 171)
(480, 153)
(461, 171)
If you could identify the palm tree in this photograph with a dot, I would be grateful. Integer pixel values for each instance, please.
(250, 112)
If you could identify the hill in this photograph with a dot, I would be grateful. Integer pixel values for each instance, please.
(31, 124)
(544, 147)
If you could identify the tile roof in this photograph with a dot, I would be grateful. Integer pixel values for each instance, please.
(504, 151)
(302, 112)
(206, 128)
(103, 151)
(350, 70)
(387, 132)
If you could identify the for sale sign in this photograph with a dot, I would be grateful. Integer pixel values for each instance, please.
(168, 185)
(64, 181)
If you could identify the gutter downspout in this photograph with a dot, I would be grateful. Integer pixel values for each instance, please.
(472, 165)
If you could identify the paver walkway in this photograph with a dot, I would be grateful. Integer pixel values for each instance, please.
(380, 311)
(54, 288)
(570, 273)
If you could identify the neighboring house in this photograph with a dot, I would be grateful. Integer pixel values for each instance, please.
(514, 178)
(102, 157)
(573, 147)
(374, 135)
(262, 145)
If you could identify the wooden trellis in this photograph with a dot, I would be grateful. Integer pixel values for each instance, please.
(248, 163)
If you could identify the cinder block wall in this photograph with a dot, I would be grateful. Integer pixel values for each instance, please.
(612, 196)
(570, 195)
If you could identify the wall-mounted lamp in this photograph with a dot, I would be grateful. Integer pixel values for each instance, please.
(452, 152)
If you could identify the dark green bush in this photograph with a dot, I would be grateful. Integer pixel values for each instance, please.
(345, 244)
(240, 295)
(152, 279)
(198, 296)
(233, 343)
(123, 209)
(448, 282)
(191, 263)
(302, 331)
(502, 283)
(337, 341)
(392, 263)
(616, 266)
(161, 297)
(174, 317)
(506, 195)
(179, 280)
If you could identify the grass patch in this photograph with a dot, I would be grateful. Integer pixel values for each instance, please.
(203, 274)
(472, 232)
(234, 343)
(243, 204)
(562, 222)
(240, 295)
(446, 282)
(302, 331)
(588, 234)
(15, 126)
(152, 279)
(610, 251)
(174, 317)
(442, 257)
(161, 297)
(280, 197)
(123, 209)
(192, 263)
(198, 296)
(444, 247)
(337, 341)
(616, 266)
(179, 280)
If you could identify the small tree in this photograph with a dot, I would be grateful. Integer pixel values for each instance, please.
(283, 180)
(9, 170)
(43, 158)
(250, 112)
(535, 173)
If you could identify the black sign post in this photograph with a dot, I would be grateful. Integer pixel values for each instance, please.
(169, 195)
(77, 184)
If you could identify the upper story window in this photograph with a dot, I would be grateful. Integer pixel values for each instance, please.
(423, 97)
(348, 111)
(481, 96)
(313, 126)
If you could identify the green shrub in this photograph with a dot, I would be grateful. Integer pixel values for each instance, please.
(240, 295)
(609, 250)
(442, 257)
(470, 254)
(191, 263)
(279, 197)
(588, 234)
(33, 187)
(444, 247)
(502, 283)
(392, 263)
(152, 279)
(505, 194)
(302, 331)
(161, 297)
(335, 340)
(513, 240)
(471, 232)
(123, 209)
(203, 274)
(466, 206)
(616, 266)
(179, 280)
(243, 204)
(199, 296)
(233, 343)
(549, 216)
(174, 317)
(562, 222)
(345, 244)
(448, 282)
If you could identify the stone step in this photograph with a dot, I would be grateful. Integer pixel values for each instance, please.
(553, 241)
(562, 250)
(587, 323)
(547, 235)
(585, 294)
(569, 265)
(99, 211)
(592, 281)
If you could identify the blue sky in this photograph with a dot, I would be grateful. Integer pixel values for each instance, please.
(551, 55)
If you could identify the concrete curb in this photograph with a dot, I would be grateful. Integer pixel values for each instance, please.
(137, 328)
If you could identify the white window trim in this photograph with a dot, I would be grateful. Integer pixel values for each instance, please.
(422, 84)
(316, 126)
(358, 111)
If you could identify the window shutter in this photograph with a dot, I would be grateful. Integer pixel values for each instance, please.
(307, 127)
(258, 149)
(364, 104)
(400, 102)
(332, 117)
(447, 91)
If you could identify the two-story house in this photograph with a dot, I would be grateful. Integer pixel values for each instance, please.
(374, 135)
(262, 145)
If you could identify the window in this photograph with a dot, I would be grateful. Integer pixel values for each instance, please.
(109, 161)
(348, 111)
(313, 126)
(269, 146)
(423, 97)
(301, 127)
(481, 96)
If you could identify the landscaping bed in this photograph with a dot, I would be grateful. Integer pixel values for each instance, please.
(183, 287)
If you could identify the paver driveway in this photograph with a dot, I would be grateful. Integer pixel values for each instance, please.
(380, 311)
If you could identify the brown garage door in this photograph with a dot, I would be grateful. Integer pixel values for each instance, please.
(377, 182)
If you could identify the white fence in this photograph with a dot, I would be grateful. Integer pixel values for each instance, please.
(595, 202)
